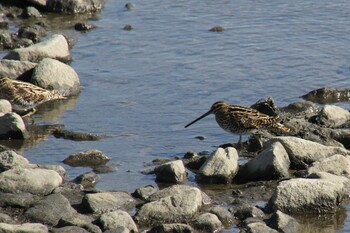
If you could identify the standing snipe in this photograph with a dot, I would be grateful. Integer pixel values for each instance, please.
(25, 96)
(238, 119)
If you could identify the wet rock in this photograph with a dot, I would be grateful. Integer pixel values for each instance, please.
(223, 214)
(109, 201)
(25, 227)
(208, 222)
(303, 152)
(32, 32)
(76, 136)
(55, 47)
(31, 12)
(193, 161)
(69, 229)
(51, 209)
(283, 222)
(333, 116)
(328, 95)
(13, 69)
(271, 163)
(84, 27)
(87, 180)
(34, 181)
(307, 196)
(266, 106)
(128, 27)
(54, 75)
(171, 228)
(306, 109)
(216, 29)
(10, 159)
(105, 168)
(115, 219)
(170, 205)
(144, 192)
(259, 227)
(22, 200)
(171, 172)
(87, 158)
(74, 6)
(12, 127)
(220, 167)
(244, 211)
(129, 6)
(336, 164)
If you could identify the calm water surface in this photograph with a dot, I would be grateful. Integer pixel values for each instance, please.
(142, 86)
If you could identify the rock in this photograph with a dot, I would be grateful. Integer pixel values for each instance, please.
(51, 209)
(12, 127)
(23, 200)
(307, 196)
(6, 41)
(87, 158)
(244, 211)
(333, 116)
(220, 167)
(87, 180)
(80, 220)
(328, 95)
(69, 229)
(208, 222)
(74, 6)
(259, 227)
(109, 201)
(4, 218)
(170, 205)
(223, 214)
(32, 32)
(76, 136)
(266, 106)
(5, 106)
(171, 172)
(303, 152)
(128, 27)
(115, 219)
(31, 12)
(10, 159)
(57, 168)
(336, 164)
(271, 163)
(34, 181)
(144, 192)
(84, 27)
(25, 227)
(13, 69)
(3, 23)
(341, 180)
(283, 223)
(172, 228)
(217, 29)
(129, 6)
(38, 2)
(54, 75)
(55, 47)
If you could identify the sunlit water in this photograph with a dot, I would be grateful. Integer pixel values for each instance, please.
(142, 86)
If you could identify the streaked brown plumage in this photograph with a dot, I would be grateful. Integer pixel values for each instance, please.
(238, 119)
(25, 96)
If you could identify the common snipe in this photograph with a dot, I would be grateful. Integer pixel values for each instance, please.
(238, 119)
(25, 96)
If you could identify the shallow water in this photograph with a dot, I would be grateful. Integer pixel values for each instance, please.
(142, 86)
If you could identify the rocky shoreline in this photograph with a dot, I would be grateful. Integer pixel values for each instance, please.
(303, 173)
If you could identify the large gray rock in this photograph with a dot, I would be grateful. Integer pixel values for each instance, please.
(5, 106)
(308, 195)
(12, 68)
(208, 222)
(144, 192)
(55, 46)
(113, 220)
(171, 228)
(12, 127)
(259, 227)
(331, 115)
(10, 159)
(170, 205)
(283, 223)
(25, 227)
(109, 201)
(223, 214)
(271, 163)
(25, 180)
(336, 164)
(17, 199)
(245, 210)
(54, 75)
(220, 167)
(51, 209)
(172, 172)
(303, 152)
(74, 6)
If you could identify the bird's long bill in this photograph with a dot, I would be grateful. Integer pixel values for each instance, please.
(199, 118)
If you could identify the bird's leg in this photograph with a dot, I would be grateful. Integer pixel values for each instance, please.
(239, 144)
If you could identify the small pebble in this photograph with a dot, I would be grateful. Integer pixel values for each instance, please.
(216, 29)
(84, 27)
(128, 27)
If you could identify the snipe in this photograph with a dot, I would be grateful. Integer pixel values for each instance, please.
(239, 120)
(25, 96)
